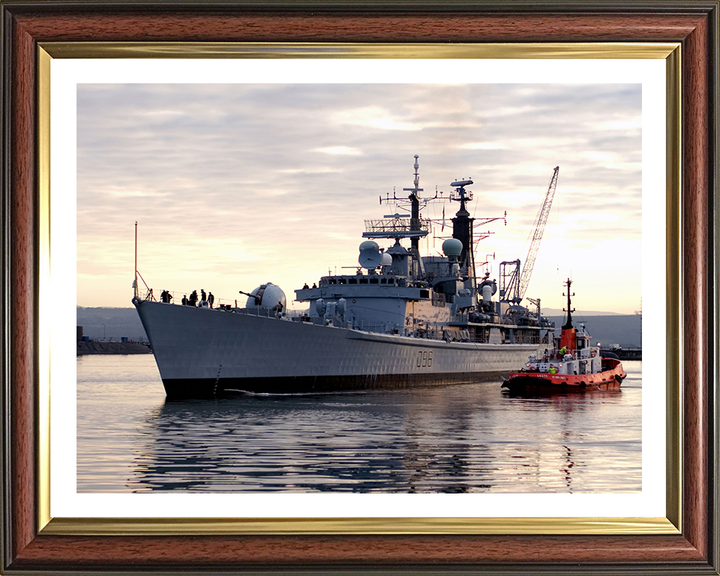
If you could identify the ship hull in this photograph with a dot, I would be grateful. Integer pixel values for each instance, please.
(203, 352)
(545, 383)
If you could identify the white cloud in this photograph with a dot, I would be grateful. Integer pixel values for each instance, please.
(374, 117)
(630, 124)
(483, 146)
(338, 151)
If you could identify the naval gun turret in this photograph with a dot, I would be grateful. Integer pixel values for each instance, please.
(267, 296)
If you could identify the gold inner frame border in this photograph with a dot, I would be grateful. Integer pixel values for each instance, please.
(671, 524)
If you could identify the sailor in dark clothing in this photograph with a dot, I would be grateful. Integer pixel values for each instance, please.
(211, 299)
(193, 298)
(202, 294)
(184, 300)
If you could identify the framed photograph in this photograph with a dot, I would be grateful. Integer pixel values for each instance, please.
(650, 71)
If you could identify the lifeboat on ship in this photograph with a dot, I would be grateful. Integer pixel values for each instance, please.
(571, 365)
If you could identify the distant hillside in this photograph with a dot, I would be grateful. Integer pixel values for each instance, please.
(559, 312)
(111, 323)
(608, 330)
(115, 323)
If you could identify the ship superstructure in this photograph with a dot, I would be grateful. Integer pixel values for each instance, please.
(402, 319)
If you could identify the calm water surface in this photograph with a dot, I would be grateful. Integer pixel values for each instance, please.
(459, 438)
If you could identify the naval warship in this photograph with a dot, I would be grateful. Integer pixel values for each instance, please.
(401, 320)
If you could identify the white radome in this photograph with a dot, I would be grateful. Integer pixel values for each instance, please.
(452, 247)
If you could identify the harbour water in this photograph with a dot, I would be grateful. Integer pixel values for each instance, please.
(457, 438)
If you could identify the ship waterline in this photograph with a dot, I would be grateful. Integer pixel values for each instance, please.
(203, 352)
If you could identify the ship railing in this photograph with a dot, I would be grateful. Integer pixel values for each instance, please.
(176, 297)
(218, 303)
(381, 328)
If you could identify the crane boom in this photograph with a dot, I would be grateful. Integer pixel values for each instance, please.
(537, 236)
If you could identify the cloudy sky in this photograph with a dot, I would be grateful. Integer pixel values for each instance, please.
(234, 185)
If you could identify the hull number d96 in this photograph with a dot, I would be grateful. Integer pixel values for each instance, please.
(425, 359)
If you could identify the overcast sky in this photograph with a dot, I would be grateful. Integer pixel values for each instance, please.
(235, 185)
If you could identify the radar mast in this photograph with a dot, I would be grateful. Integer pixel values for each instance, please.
(463, 227)
(415, 206)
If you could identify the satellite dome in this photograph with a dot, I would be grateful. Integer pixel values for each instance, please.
(267, 296)
(386, 259)
(452, 247)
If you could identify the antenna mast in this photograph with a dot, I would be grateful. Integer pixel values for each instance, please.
(135, 284)
(415, 206)
(569, 310)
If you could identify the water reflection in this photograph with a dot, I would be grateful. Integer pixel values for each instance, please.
(468, 438)
(574, 414)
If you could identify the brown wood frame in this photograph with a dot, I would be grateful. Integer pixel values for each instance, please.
(692, 23)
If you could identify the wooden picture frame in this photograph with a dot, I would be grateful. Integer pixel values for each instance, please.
(31, 545)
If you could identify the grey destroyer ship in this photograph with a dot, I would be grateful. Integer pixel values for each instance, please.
(401, 320)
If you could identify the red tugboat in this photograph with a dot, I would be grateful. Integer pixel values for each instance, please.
(572, 365)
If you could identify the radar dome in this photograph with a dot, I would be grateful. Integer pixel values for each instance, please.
(386, 259)
(370, 257)
(452, 247)
(369, 245)
(267, 296)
